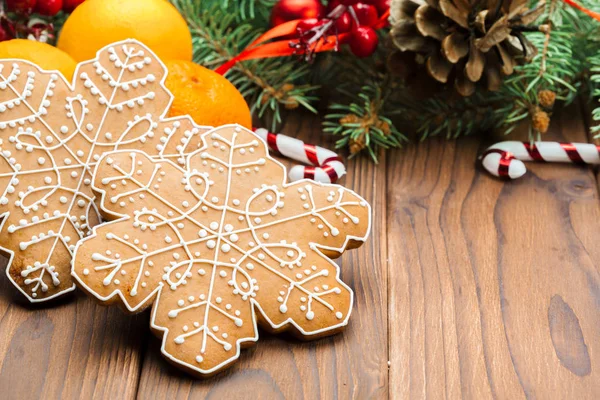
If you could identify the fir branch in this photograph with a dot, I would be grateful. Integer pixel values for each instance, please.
(595, 78)
(268, 85)
(567, 44)
(460, 116)
(551, 12)
(363, 105)
(560, 68)
(362, 122)
(244, 9)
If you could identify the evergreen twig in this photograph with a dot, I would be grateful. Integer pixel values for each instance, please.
(567, 64)
(220, 31)
(362, 122)
(362, 114)
(595, 78)
(560, 67)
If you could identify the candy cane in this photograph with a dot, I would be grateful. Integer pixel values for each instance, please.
(327, 167)
(505, 159)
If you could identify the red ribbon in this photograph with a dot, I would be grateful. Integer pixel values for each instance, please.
(285, 47)
(272, 141)
(533, 151)
(581, 8)
(311, 153)
(569, 148)
(572, 153)
(309, 172)
(505, 160)
(329, 170)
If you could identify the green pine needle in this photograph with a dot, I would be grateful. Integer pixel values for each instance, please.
(366, 103)
(362, 123)
(222, 29)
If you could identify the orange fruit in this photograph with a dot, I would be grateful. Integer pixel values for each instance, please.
(43, 55)
(206, 96)
(97, 23)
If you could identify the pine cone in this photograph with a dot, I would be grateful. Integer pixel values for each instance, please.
(465, 41)
(357, 145)
(547, 98)
(540, 120)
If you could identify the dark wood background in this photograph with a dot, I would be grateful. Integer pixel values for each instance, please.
(469, 287)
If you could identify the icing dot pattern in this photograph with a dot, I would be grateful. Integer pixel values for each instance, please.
(52, 135)
(238, 246)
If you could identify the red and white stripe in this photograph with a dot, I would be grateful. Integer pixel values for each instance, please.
(325, 165)
(505, 159)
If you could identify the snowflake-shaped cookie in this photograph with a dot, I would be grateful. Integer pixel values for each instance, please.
(52, 134)
(220, 245)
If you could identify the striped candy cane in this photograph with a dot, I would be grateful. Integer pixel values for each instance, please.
(326, 166)
(505, 159)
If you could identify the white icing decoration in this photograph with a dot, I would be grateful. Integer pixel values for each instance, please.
(199, 253)
(64, 164)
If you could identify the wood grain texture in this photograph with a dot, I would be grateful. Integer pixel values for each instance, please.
(71, 348)
(494, 287)
(472, 287)
(352, 364)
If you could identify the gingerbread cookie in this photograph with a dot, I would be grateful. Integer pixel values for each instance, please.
(218, 246)
(52, 134)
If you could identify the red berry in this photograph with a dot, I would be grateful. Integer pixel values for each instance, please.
(332, 5)
(344, 23)
(70, 5)
(20, 6)
(381, 5)
(366, 14)
(363, 41)
(288, 10)
(308, 24)
(48, 8)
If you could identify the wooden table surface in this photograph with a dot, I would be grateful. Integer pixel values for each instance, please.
(469, 287)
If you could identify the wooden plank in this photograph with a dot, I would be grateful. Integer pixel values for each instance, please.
(71, 348)
(352, 364)
(494, 291)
